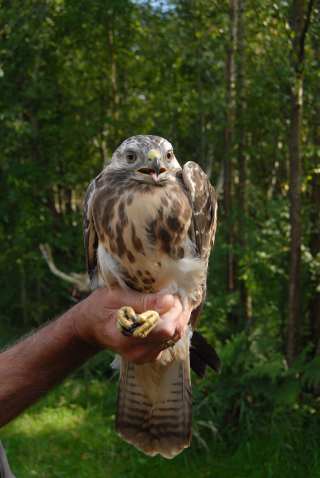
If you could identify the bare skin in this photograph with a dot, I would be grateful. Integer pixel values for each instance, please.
(37, 363)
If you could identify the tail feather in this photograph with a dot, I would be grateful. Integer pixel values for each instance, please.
(154, 406)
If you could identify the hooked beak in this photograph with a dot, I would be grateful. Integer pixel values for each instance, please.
(155, 169)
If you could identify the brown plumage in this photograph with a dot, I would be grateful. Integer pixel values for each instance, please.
(149, 225)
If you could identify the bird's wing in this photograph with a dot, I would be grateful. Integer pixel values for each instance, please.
(202, 354)
(204, 218)
(90, 235)
(204, 206)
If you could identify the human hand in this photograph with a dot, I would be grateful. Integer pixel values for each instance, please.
(96, 322)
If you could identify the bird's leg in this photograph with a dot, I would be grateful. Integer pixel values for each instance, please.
(137, 325)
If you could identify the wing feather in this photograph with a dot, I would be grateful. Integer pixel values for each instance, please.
(204, 206)
(204, 218)
(90, 235)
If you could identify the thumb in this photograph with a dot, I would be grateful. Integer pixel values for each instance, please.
(142, 302)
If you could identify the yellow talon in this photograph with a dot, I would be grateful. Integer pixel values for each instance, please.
(138, 325)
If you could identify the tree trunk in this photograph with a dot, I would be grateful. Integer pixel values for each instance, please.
(314, 304)
(295, 218)
(245, 298)
(113, 75)
(300, 20)
(229, 140)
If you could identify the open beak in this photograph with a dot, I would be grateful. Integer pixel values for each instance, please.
(155, 168)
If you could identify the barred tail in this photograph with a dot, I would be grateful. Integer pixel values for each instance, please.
(154, 406)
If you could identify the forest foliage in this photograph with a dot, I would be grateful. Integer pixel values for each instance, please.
(235, 86)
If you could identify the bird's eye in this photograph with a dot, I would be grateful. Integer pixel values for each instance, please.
(131, 156)
(169, 155)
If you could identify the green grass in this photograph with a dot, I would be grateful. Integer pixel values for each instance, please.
(71, 433)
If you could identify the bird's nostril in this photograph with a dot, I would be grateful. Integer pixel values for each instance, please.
(162, 170)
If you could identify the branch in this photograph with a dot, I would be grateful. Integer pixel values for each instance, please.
(79, 280)
(305, 30)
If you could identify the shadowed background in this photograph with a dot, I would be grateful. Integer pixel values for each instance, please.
(235, 86)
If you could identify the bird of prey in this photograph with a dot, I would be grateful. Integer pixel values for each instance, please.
(149, 224)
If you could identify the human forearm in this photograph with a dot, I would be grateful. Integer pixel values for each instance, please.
(33, 366)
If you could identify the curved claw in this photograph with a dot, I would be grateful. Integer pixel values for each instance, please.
(137, 325)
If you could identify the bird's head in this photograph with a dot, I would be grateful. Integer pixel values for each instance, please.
(149, 159)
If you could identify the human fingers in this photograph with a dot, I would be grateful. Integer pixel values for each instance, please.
(140, 302)
(172, 327)
(183, 320)
(173, 324)
(167, 325)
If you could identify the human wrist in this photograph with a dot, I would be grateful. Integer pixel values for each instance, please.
(80, 322)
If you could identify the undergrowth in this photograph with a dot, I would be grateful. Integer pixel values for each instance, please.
(71, 433)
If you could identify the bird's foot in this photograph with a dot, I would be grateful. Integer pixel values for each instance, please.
(137, 325)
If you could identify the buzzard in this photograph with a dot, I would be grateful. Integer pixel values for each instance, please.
(149, 224)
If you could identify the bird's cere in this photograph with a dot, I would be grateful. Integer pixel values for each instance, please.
(154, 154)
